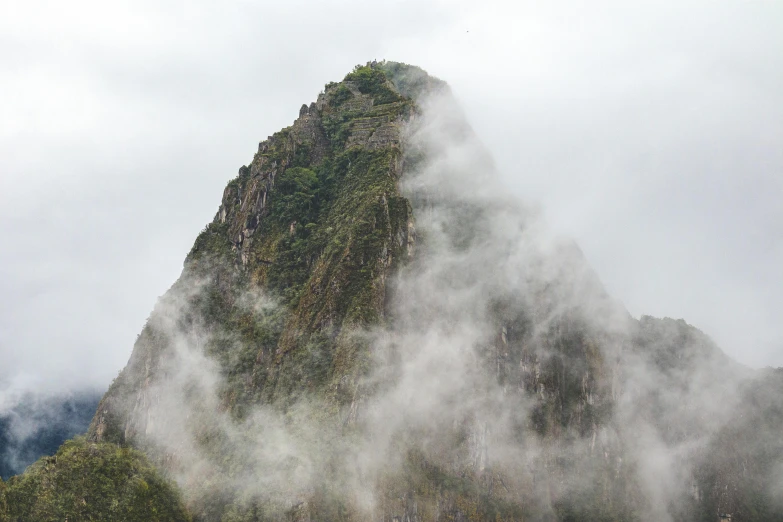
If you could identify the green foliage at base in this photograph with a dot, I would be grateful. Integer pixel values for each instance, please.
(3, 504)
(89, 481)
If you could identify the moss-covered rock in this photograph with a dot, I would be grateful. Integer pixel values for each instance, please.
(91, 481)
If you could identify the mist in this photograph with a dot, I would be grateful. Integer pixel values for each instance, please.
(32, 425)
(495, 315)
(649, 135)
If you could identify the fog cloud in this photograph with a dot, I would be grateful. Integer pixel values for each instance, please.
(493, 318)
(650, 135)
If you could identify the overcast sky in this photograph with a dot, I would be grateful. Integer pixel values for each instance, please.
(651, 132)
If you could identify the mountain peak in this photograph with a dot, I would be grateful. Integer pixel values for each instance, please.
(373, 327)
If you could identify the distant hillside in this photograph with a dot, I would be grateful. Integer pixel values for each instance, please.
(37, 426)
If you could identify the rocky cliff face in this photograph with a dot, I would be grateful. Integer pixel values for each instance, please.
(372, 329)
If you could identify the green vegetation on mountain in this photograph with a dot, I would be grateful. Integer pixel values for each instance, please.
(91, 481)
(3, 503)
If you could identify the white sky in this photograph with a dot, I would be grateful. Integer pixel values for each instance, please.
(651, 132)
